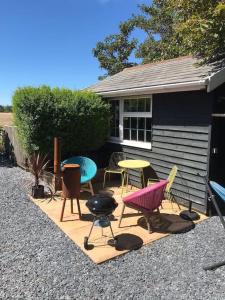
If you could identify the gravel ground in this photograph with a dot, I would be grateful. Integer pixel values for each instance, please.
(37, 261)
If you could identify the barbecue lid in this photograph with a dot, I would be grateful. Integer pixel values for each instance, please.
(101, 203)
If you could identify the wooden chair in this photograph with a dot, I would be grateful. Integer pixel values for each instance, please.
(146, 201)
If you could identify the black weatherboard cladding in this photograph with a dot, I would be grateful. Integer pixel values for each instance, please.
(181, 135)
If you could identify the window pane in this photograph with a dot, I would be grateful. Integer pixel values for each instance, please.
(141, 105)
(126, 134)
(134, 135)
(141, 123)
(117, 112)
(148, 105)
(133, 105)
(114, 122)
(112, 131)
(141, 135)
(126, 105)
(117, 132)
(137, 105)
(136, 126)
(126, 122)
(148, 136)
(133, 123)
(148, 123)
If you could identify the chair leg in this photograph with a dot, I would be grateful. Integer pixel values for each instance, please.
(71, 205)
(104, 179)
(111, 230)
(121, 215)
(78, 207)
(170, 199)
(174, 199)
(63, 207)
(91, 188)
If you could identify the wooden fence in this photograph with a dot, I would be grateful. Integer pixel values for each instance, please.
(14, 150)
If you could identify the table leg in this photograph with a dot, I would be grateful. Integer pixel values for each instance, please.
(123, 181)
(142, 178)
(127, 175)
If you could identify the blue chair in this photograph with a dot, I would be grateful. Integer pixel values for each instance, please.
(88, 170)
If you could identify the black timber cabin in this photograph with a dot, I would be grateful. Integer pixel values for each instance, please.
(171, 113)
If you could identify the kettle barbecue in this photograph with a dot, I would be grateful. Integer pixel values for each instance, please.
(101, 206)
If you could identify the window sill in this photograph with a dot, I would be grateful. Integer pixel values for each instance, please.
(141, 145)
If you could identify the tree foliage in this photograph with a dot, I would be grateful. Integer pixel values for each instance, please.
(175, 28)
(114, 52)
(5, 108)
(201, 27)
(158, 22)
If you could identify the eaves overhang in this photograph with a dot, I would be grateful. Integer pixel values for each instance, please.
(165, 88)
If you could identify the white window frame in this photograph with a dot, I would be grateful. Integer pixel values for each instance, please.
(122, 114)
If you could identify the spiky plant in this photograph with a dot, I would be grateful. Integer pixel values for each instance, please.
(37, 163)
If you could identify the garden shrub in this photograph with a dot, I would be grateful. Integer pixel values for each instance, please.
(80, 118)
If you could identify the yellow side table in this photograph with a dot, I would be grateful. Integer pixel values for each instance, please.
(134, 164)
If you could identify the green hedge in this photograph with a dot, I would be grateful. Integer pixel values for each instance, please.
(80, 118)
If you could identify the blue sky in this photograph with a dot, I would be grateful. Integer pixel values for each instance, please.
(50, 41)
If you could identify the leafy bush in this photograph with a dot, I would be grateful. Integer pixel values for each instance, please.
(80, 118)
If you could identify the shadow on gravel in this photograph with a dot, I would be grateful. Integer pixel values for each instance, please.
(4, 162)
(168, 223)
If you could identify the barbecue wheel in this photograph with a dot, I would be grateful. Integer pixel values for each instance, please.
(86, 243)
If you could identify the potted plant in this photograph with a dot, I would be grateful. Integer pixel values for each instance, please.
(37, 163)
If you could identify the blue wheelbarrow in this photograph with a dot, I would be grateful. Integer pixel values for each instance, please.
(212, 187)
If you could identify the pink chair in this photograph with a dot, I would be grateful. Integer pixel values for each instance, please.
(146, 200)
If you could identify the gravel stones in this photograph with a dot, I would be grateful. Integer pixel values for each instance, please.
(37, 261)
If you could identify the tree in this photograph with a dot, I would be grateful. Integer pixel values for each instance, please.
(114, 52)
(6, 108)
(201, 27)
(158, 22)
(175, 28)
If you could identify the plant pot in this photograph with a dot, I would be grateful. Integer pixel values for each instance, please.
(38, 191)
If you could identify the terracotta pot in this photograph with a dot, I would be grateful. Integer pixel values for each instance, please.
(38, 191)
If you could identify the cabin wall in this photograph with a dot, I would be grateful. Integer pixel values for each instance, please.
(217, 155)
(181, 135)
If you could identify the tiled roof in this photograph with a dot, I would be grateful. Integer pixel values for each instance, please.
(179, 71)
